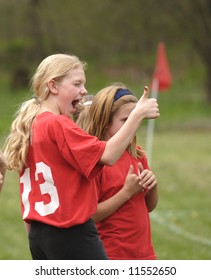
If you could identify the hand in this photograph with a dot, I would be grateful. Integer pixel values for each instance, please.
(148, 106)
(1, 178)
(1, 181)
(147, 178)
(2, 169)
(2, 162)
(132, 185)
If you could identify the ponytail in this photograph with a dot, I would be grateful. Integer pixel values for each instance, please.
(17, 143)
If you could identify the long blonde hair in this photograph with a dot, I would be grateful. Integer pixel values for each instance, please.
(56, 67)
(102, 111)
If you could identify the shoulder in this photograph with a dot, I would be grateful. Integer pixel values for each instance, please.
(53, 119)
(55, 126)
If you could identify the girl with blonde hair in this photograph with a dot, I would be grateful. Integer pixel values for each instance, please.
(128, 189)
(57, 161)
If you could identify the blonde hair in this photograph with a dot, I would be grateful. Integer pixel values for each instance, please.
(83, 118)
(102, 111)
(56, 67)
(82, 111)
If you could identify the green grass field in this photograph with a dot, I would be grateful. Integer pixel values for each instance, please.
(181, 224)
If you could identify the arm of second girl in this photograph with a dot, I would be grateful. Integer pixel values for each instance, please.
(145, 108)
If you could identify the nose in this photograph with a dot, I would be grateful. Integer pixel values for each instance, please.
(83, 91)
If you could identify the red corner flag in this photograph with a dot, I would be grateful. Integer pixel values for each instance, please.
(162, 72)
(161, 81)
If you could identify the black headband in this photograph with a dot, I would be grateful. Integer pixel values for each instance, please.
(121, 92)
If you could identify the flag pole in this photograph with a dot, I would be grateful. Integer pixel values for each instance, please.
(161, 81)
(151, 123)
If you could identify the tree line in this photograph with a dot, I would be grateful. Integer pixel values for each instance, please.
(103, 31)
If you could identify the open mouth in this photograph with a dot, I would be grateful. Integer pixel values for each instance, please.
(75, 103)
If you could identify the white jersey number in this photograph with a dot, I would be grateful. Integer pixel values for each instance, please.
(47, 187)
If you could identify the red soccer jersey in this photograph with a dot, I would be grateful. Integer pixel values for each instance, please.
(126, 234)
(57, 185)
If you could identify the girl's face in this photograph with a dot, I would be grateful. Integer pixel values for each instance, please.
(70, 91)
(119, 119)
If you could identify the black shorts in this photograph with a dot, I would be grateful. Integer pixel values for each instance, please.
(79, 242)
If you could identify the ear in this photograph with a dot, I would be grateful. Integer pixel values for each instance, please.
(52, 85)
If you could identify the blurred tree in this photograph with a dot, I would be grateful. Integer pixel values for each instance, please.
(34, 29)
(21, 39)
(117, 34)
(195, 18)
(31, 52)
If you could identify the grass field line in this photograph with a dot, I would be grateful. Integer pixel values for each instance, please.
(156, 217)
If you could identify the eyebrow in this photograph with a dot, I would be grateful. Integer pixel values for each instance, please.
(80, 80)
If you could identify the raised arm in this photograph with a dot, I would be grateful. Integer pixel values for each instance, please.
(145, 108)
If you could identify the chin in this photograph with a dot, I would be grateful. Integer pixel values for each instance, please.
(70, 111)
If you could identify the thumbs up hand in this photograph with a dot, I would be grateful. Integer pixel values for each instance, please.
(148, 106)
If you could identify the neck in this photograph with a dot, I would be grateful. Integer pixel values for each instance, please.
(47, 106)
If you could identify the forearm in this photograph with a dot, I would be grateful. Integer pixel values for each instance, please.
(109, 206)
(151, 198)
(119, 142)
(145, 108)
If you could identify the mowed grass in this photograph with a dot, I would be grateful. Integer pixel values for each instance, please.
(13, 239)
(180, 224)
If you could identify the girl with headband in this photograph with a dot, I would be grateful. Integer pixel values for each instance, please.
(127, 190)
